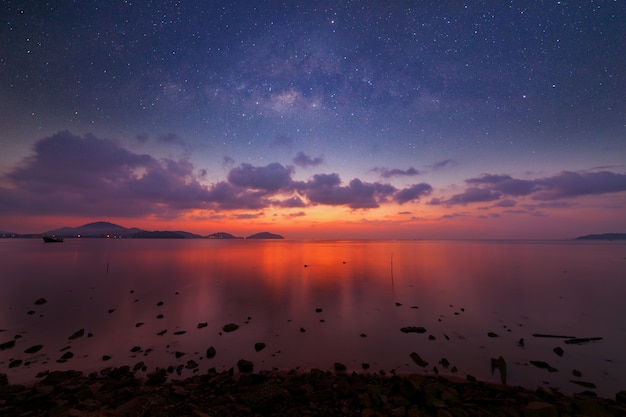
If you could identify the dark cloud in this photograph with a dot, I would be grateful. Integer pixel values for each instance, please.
(272, 177)
(473, 195)
(305, 161)
(327, 189)
(414, 192)
(573, 184)
(290, 202)
(505, 203)
(505, 184)
(85, 175)
(395, 172)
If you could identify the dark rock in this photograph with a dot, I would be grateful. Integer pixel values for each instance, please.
(41, 301)
(413, 329)
(302, 330)
(160, 303)
(160, 316)
(585, 384)
(58, 377)
(139, 324)
(202, 325)
(211, 352)
(105, 357)
(339, 367)
(520, 342)
(7, 345)
(259, 346)
(418, 360)
(543, 365)
(620, 397)
(230, 327)
(318, 310)
(179, 355)
(34, 349)
(245, 366)
(138, 366)
(492, 334)
(4, 380)
(30, 312)
(191, 364)
(15, 363)
(500, 365)
(363, 335)
(558, 350)
(577, 373)
(365, 365)
(180, 332)
(161, 333)
(157, 377)
(579, 340)
(67, 355)
(135, 349)
(77, 334)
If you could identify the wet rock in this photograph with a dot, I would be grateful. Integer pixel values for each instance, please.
(230, 327)
(139, 324)
(77, 334)
(245, 366)
(418, 360)
(540, 409)
(15, 363)
(211, 352)
(413, 329)
(579, 340)
(202, 325)
(363, 335)
(7, 345)
(191, 364)
(620, 397)
(178, 354)
(139, 366)
(577, 373)
(558, 350)
(180, 332)
(585, 384)
(259, 346)
(160, 316)
(520, 342)
(444, 362)
(157, 377)
(492, 334)
(106, 357)
(543, 365)
(339, 367)
(160, 303)
(41, 301)
(59, 377)
(302, 330)
(135, 349)
(161, 333)
(30, 312)
(500, 365)
(318, 310)
(4, 380)
(67, 355)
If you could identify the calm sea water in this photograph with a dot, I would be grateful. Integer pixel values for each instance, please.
(366, 290)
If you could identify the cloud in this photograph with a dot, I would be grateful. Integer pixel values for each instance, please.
(505, 184)
(473, 195)
(395, 172)
(85, 175)
(272, 177)
(414, 192)
(442, 164)
(326, 189)
(305, 161)
(569, 184)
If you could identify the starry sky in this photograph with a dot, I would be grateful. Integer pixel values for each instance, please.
(316, 119)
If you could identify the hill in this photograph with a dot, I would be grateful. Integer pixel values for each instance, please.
(96, 229)
(265, 235)
(604, 236)
(222, 235)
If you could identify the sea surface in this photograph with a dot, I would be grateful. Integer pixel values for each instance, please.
(314, 303)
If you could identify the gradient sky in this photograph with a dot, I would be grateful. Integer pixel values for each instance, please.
(333, 119)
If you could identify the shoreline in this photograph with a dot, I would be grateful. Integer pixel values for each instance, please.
(119, 392)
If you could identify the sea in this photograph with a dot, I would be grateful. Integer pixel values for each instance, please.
(91, 304)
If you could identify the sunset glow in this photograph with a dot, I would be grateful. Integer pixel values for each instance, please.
(442, 120)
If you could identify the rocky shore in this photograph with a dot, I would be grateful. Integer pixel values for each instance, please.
(118, 392)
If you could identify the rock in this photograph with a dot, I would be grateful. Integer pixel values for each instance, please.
(339, 367)
(77, 334)
(41, 301)
(58, 377)
(211, 352)
(178, 354)
(7, 345)
(105, 357)
(15, 363)
(160, 303)
(620, 397)
(161, 333)
(245, 366)
(558, 350)
(500, 365)
(135, 349)
(579, 340)
(444, 362)
(413, 329)
(302, 330)
(577, 373)
(520, 342)
(34, 349)
(540, 409)
(139, 366)
(191, 364)
(543, 365)
(67, 355)
(585, 384)
(259, 346)
(202, 325)
(230, 327)
(318, 310)
(492, 334)
(139, 324)
(157, 377)
(4, 380)
(180, 332)
(418, 360)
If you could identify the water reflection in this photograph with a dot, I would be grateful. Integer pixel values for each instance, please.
(315, 303)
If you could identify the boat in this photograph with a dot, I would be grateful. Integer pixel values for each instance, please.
(52, 239)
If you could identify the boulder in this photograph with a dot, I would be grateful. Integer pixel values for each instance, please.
(245, 366)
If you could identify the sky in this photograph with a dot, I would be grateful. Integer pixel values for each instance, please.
(317, 119)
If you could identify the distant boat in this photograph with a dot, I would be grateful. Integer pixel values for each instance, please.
(49, 239)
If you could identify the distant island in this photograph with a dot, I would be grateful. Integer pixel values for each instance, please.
(604, 236)
(110, 230)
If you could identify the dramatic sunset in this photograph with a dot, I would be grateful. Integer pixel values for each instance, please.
(320, 120)
(317, 208)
